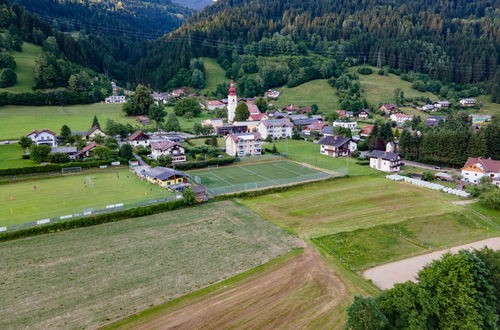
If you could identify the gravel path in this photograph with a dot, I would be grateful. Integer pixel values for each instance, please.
(385, 276)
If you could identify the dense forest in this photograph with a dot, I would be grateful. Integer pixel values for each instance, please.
(451, 41)
(194, 4)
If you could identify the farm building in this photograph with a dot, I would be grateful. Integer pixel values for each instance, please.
(165, 177)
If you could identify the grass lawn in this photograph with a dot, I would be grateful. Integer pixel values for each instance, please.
(308, 152)
(215, 75)
(11, 157)
(188, 124)
(251, 176)
(488, 106)
(415, 112)
(62, 195)
(86, 277)
(365, 248)
(198, 142)
(313, 92)
(380, 89)
(25, 66)
(347, 204)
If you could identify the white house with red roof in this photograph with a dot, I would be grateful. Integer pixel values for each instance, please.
(215, 104)
(176, 150)
(139, 138)
(87, 150)
(400, 118)
(366, 131)
(477, 168)
(388, 108)
(275, 128)
(313, 127)
(257, 117)
(43, 137)
(272, 94)
(244, 144)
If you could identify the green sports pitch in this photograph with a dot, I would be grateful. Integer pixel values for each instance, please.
(27, 201)
(253, 176)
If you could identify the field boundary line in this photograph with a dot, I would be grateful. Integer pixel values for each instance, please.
(227, 182)
(316, 168)
(255, 173)
(289, 170)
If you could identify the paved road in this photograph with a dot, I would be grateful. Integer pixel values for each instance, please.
(426, 166)
(385, 276)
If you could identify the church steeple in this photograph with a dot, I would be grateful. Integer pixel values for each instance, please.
(232, 102)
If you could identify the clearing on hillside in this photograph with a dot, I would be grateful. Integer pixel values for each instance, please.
(25, 68)
(230, 179)
(317, 92)
(31, 200)
(86, 277)
(215, 75)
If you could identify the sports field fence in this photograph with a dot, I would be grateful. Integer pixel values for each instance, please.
(261, 158)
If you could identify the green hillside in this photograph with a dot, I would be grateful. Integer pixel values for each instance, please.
(313, 92)
(214, 74)
(25, 61)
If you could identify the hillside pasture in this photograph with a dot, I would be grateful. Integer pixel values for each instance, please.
(31, 200)
(347, 204)
(214, 75)
(313, 92)
(11, 157)
(87, 277)
(25, 68)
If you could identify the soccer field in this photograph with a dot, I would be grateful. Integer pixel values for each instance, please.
(252, 176)
(26, 201)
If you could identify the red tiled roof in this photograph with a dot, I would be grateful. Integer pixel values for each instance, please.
(43, 130)
(488, 164)
(257, 116)
(138, 134)
(164, 145)
(90, 146)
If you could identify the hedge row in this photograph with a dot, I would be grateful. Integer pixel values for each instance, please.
(50, 168)
(204, 163)
(137, 212)
(93, 220)
(56, 97)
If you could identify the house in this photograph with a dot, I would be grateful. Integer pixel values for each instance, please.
(468, 102)
(244, 144)
(116, 99)
(231, 129)
(305, 110)
(388, 108)
(428, 107)
(364, 113)
(139, 139)
(294, 118)
(277, 115)
(400, 118)
(178, 93)
(316, 126)
(70, 151)
(336, 146)
(344, 114)
(271, 94)
(433, 121)
(291, 109)
(252, 108)
(94, 132)
(477, 168)
(327, 131)
(442, 104)
(214, 122)
(87, 150)
(257, 116)
(385, 161)
(162, 136)
(251, 125)
(160, 97)
(165, 177)
(346, 124)
(214, 105)
(43, 137)
(479, 118)
(176, 150)
(366, 131)
(275, 128)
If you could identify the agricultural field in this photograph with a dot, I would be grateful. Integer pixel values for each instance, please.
(25, 201)
(347, 204)
(214, 75)
(11, 157)
(25, 67)
(252, 176)
(87, 277)
(368, 247)
(308, 152)
(313, 92)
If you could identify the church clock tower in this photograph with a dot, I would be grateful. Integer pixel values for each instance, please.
(232, 103)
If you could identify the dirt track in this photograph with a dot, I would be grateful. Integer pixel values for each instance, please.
(298, 293)
(385, 276)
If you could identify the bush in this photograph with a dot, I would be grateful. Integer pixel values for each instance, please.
(205, 163)
(491, 199)
(365, 71)
(49, 168)
(355, 154)
(7, 61)
(8, 78)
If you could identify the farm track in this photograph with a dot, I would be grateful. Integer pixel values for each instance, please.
(294, 295)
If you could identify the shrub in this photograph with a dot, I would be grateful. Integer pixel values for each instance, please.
(49, 168)
(8, 78)
(365, 71)
(491, 199)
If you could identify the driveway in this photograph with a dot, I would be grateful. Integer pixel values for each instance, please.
(426, 166)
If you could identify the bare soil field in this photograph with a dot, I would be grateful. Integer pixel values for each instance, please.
(386, 276)
(298, 293)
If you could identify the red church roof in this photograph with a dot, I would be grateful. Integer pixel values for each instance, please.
(232, 89)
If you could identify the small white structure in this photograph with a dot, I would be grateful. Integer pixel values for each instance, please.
(468, 102)
(43, 137)
(275, 128)
(385, 161)
(272, 94)
(174, 149)
(139, 138)
(442, 104)
(477, 168)
(244, 144)
(336, 146)
(214, 105)
(400, 118)
(116, 99)
(346, 124)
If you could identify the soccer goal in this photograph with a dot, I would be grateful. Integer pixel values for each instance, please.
(213, 166)
(71, 170)
(197, 179)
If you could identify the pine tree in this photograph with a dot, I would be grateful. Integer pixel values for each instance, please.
(95, 122)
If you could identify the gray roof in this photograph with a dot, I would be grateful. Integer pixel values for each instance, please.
(66, 150)
(383, 154)
(327, 130)
(163, 173)
(304, 122)
(334, 141)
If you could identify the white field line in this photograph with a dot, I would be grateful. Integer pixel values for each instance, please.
(289, 170)
(227, 182)
(385, 276)
(255, 173)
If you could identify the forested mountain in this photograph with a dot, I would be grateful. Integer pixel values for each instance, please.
(452, 40)
(194, 4)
